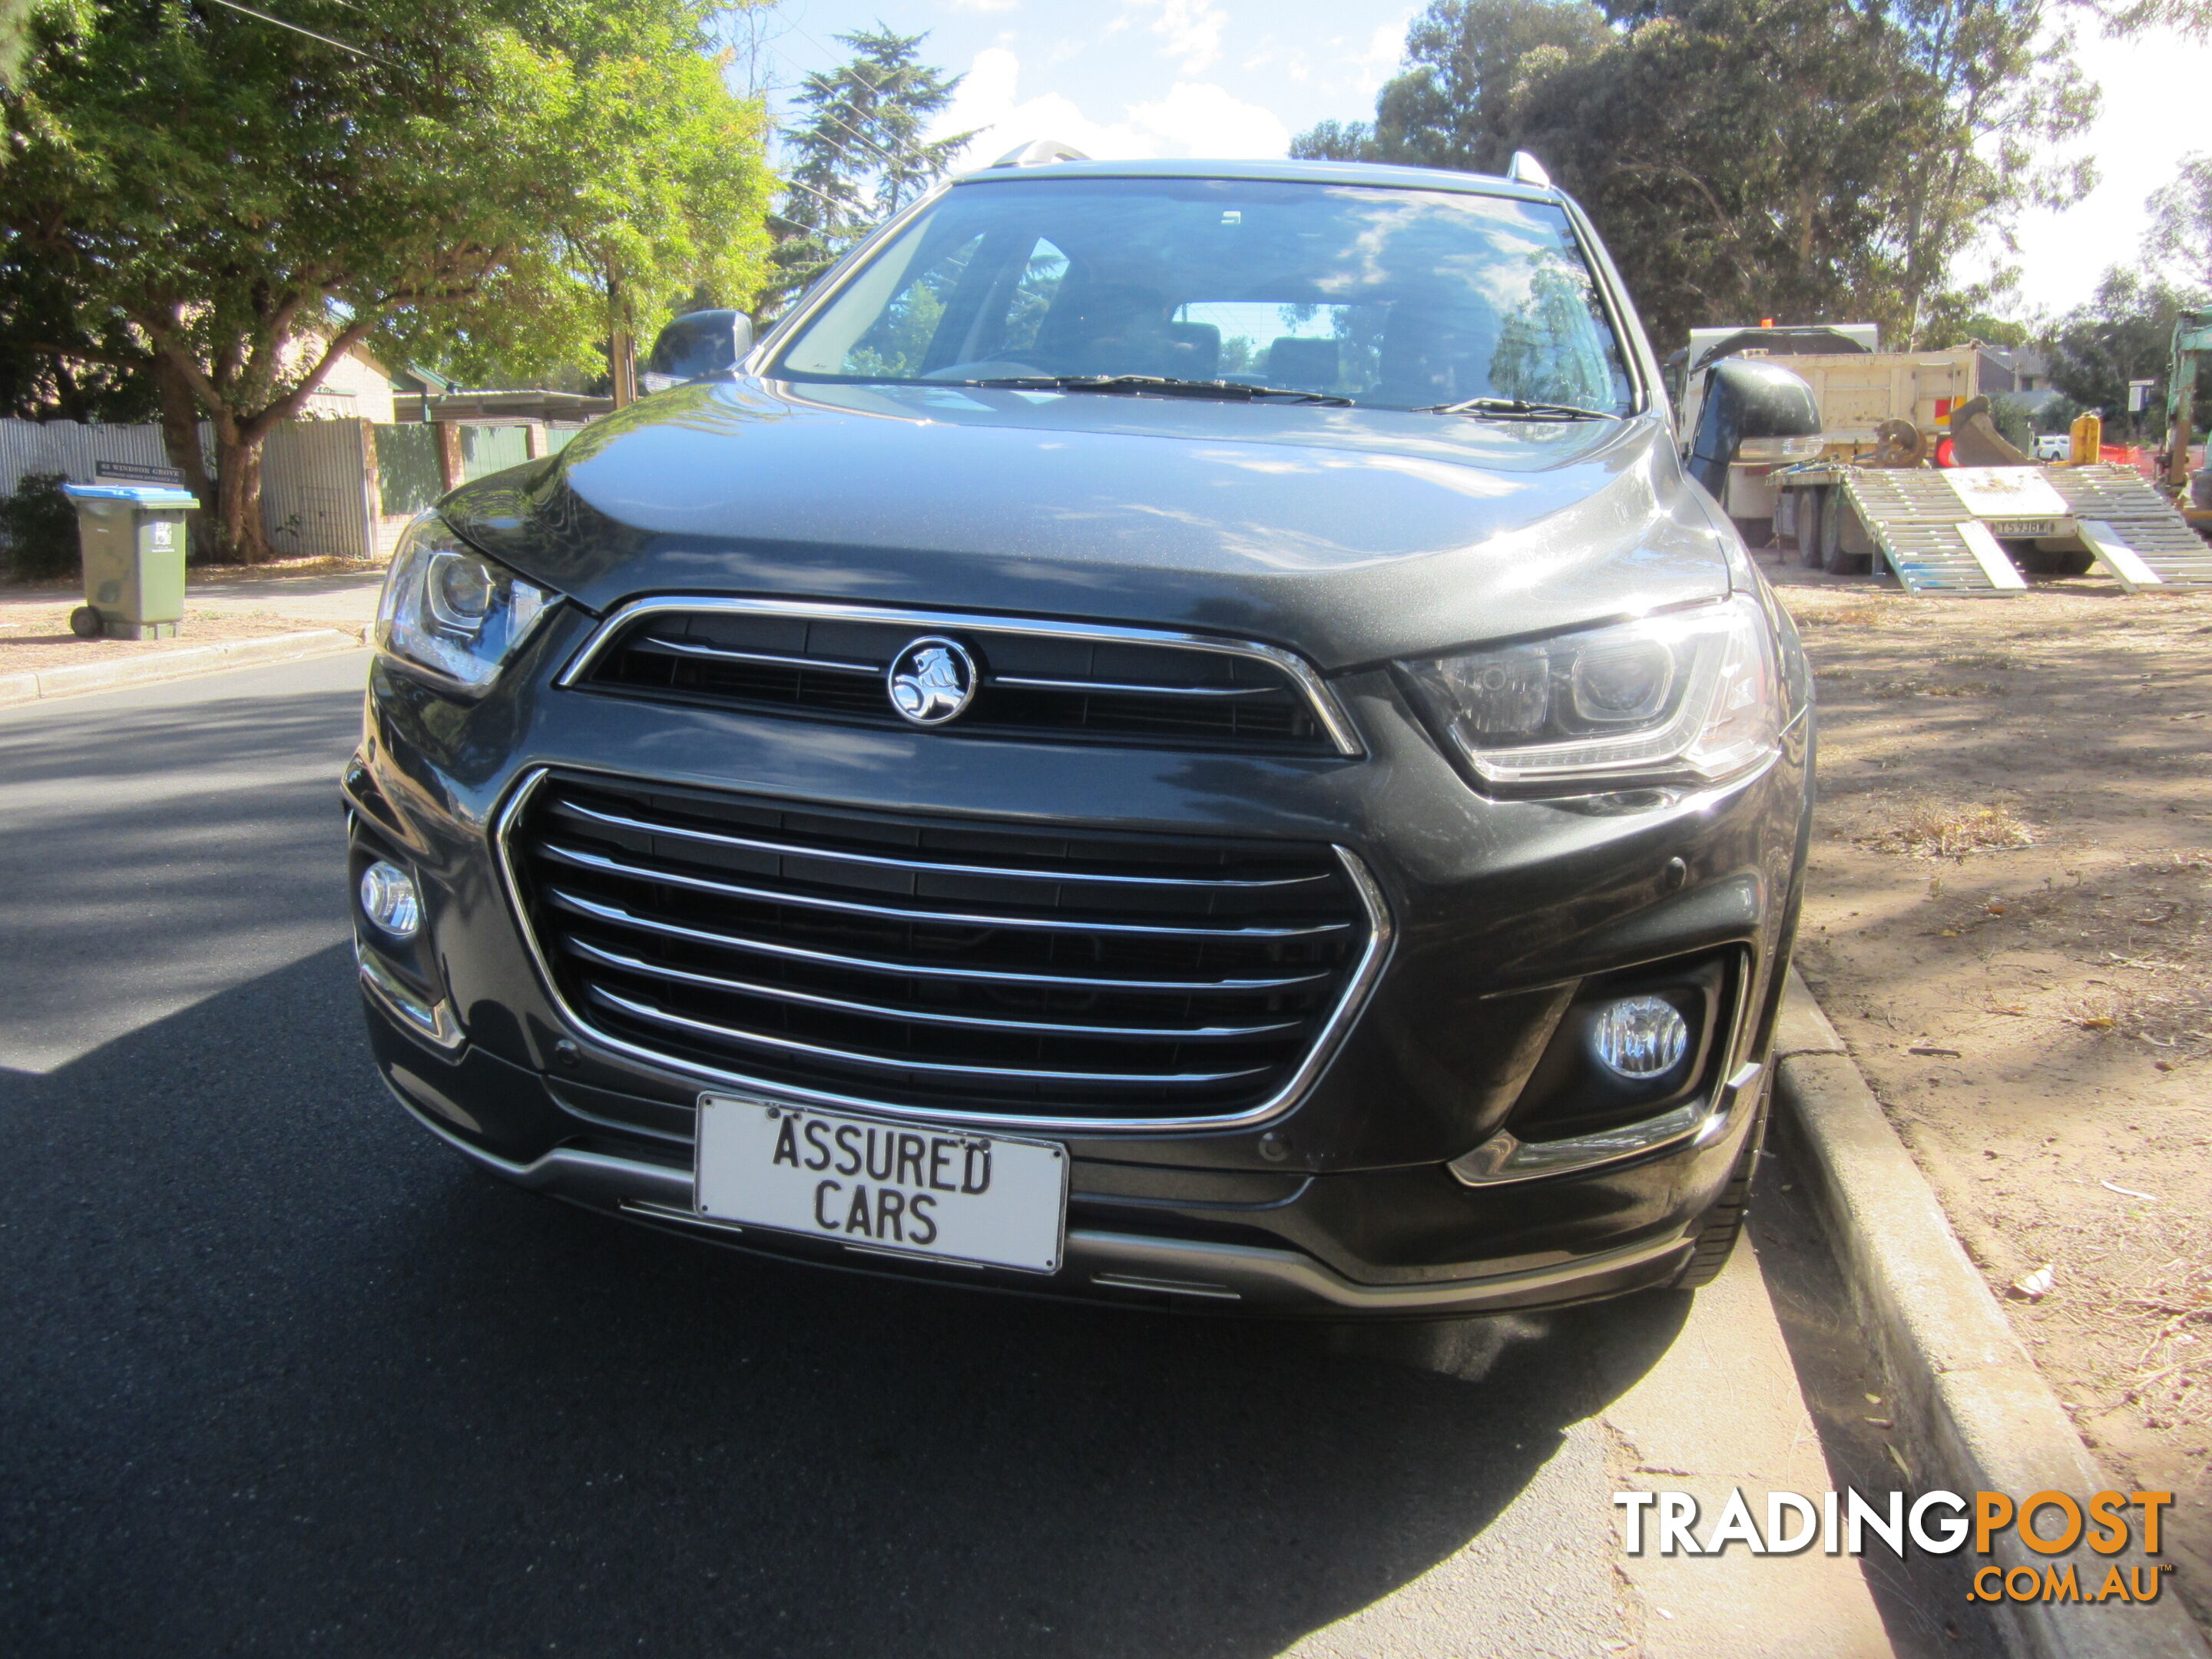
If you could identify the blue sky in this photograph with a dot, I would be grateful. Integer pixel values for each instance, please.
(1121, 78)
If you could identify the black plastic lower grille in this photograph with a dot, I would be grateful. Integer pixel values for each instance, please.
(945, 962)
(1031, 685)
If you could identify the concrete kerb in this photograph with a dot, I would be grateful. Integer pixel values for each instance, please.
(1974, 1412)
(78, 679)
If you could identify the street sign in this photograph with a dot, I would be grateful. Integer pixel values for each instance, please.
(137, 474)
(2139, 395)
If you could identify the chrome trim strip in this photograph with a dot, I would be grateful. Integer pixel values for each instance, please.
(926, 866)
(895, 912)
(893, 1063)
(769, 659)
(1287, 1276)
(1108, 688)
(621, 918)
(924, 1016)
(1504, 1159)
(1326, 709)
(1167, 1286)
(1380, 935)
(433, 1020)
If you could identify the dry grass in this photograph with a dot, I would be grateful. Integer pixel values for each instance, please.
(1931, 829)
(2174, 1384)
(1920, 687)
(1861, 615)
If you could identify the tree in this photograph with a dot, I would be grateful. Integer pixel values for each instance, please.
(2125, 332)
(2179, 243)
(1811, 159)
(235, 205)
(2008, 97)
(860, 154)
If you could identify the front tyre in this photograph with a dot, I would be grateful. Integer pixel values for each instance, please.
(1723, 1223)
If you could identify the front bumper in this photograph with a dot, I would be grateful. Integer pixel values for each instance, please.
(1343, 1200)
(1284, 1244)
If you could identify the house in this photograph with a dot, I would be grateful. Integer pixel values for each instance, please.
(357, 386)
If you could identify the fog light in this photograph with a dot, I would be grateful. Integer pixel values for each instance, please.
(1641, 1037)
(388, 899)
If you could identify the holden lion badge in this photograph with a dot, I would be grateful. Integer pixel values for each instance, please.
(931, 680)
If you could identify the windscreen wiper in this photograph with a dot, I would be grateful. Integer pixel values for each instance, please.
(1519, 409)
(1157, 386)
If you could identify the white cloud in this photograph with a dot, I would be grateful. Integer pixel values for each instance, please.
(1386, 49)
(1194, 118)
(1199, 119)
(1193, 31)
(989, 100)
(981, 5)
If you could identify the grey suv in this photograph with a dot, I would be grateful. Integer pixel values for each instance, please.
(1175, 734)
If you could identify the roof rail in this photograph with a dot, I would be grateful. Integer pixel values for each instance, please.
(1526, 169)
(1039, 152)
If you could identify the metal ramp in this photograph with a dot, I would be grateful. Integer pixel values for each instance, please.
(1930, 537)
(2137, 535)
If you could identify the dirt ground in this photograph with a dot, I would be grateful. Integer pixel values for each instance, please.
(2009, 917)
(222, 603)
(32, 637)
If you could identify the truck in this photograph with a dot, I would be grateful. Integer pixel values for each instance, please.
(1853, 455)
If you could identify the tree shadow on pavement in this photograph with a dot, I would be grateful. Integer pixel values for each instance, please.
(287, 1376)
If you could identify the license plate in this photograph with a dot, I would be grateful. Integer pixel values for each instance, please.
(945, 1194)
(2021, 529)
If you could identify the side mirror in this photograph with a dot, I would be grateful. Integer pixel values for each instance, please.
(1745, 398)
(697, 343)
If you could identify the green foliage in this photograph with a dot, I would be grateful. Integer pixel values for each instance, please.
(39, 525)
(1806, 160)
(1954, 318)
(860, 154)
(2179, 245)
(2013, 416)
(2056, 414)
(2125, 333)
(62, 362)
(472, 180)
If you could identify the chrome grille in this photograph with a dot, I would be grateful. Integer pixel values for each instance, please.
(945, 964)
(1037, 681)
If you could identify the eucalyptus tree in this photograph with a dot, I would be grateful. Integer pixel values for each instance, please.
(1747, 158)
(237, 201)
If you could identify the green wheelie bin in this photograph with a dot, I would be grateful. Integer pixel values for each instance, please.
(133, 539)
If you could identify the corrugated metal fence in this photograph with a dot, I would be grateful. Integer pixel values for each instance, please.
(65, 447)
(314, 493)
(329, 488)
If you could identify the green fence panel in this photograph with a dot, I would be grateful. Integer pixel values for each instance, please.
(488, 448)
(407, 475)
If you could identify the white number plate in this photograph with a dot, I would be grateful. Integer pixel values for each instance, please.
(909, 1190)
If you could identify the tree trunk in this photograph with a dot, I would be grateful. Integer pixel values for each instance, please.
(238, 495)
(181, 437)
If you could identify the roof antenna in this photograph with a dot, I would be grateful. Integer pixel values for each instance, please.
(1039, 152)
(1527, 170)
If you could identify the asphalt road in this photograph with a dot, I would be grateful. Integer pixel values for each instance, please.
(281, 1375)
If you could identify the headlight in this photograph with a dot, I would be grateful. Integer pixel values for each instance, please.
(1690, 697)
(448, 609)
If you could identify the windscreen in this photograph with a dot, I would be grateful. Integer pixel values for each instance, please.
(1398, 298)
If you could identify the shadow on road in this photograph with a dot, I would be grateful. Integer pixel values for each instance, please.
(286, 1376)
(158, 853)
